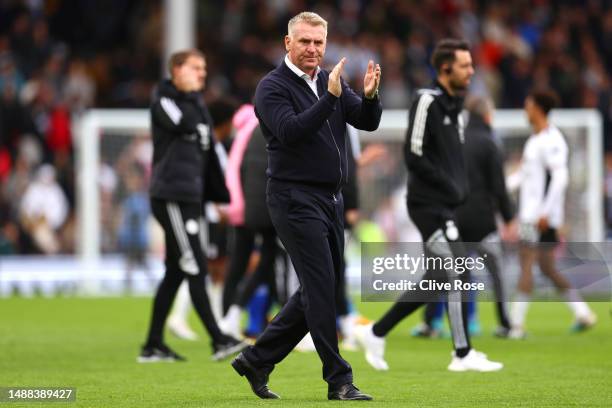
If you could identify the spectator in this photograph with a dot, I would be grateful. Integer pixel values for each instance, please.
(56, 61)
(133, 229)
(44, 210)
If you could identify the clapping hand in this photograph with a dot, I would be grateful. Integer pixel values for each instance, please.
(333, 84)
(371, 80)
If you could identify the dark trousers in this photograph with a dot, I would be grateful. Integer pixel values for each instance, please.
(491, 252)
(342, 302)
(441, 239)
(310, 226)
(242, 247)
(183, 225)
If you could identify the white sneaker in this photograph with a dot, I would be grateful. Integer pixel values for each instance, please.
(474, 361)
(347, 330)
(478, 353)
(181, 329)
(349, 344)
(373, 345)
(306, 345)
(230, 324)
(585, 322)
(517, 333)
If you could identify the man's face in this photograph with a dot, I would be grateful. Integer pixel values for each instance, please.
(462, 70)
(306, 46)
(191, 75)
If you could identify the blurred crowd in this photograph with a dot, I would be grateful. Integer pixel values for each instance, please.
(58, 58)
(518, 44)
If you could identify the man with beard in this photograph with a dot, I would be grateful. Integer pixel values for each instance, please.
(437, 186)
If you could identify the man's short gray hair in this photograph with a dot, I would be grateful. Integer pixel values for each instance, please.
(307, 17)
(479, 105)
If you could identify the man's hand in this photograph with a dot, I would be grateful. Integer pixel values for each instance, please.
(333, 84)
(509, 231)
(222, 212)
(372, 153)
(371, 80)
(352, 216)
(543, 224)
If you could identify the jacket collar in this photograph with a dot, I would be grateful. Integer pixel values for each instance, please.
(284, 70)
(477, 123)
(298, 71)
(449, 102)
(167, 88)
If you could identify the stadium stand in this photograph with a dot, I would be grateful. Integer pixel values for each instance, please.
(59, 58)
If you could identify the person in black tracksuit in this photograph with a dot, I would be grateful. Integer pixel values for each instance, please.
(437, 185)
(303, 112)
(186, 173)
(488, 196)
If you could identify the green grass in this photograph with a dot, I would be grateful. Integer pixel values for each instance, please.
(92, 344)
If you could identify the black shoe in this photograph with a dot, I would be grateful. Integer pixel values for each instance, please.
(426, 331)
(348, 392)
(154, 354)
(502, 332)
(258, 378)
(229, 347)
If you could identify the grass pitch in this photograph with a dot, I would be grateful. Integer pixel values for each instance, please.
(92, 344)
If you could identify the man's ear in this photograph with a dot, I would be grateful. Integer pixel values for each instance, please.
(175, 72)
(287, 43)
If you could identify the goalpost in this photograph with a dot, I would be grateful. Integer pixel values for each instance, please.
(582, 128)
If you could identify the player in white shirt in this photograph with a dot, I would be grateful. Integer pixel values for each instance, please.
(542, 178)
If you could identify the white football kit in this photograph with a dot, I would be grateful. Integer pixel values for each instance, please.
(542, 179)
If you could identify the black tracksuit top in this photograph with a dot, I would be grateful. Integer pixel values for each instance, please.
(433, 150)
(185, 165)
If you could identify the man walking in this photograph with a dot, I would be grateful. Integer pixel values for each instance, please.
(437, 186)
(303, 111)
(186, 173)
(476, 217)
(543, 177)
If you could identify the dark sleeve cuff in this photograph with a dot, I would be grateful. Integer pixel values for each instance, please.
(370, 100)
(330, 97)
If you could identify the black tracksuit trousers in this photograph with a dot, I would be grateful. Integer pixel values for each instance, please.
(183, 225)
(441, 239)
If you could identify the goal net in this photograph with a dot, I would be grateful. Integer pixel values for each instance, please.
(114, 153)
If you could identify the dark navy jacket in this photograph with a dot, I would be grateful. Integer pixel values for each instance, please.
(306, 136)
